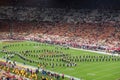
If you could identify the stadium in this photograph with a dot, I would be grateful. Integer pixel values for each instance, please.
(59, 40)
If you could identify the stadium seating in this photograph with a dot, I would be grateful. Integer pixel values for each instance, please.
(91, 34)
(94, 30)
(98, 29)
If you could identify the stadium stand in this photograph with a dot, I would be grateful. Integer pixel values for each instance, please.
(86, 29)
(98, 29)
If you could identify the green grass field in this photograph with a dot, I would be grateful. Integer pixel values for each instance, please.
(89, 65)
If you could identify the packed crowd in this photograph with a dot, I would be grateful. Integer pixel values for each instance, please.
(94, 30)
(84, 35)
(12, 71)
(90, 29)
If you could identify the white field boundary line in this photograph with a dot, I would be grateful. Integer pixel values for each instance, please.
(85, 50)
(76, 49)
(100, 52)
(95, 51)
(33, 67)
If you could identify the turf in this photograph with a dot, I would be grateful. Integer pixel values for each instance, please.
(97, 70)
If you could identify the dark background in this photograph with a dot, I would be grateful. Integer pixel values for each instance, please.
(78, 4)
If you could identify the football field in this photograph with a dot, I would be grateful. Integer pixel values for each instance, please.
(81, 64)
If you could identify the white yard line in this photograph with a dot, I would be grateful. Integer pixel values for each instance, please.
(106, 75)
(32, 67)
(88, 69)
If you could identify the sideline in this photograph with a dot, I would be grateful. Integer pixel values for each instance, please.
(99, 52)
(34, 68)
